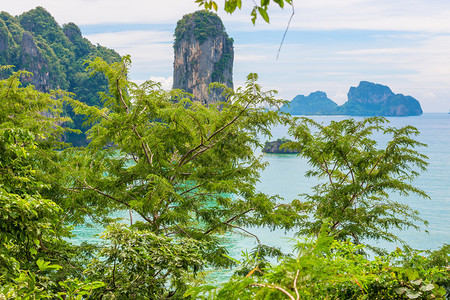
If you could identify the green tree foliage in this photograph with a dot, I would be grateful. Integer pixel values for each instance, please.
(32, 231)
(140, 264)
(187, 171)
(326, 268)
(258, 9)
(359, 177)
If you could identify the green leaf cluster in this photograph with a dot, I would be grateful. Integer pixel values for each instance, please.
(186, 174)
(358, 177)
(230, 6)
(326, 268)
(202, 24)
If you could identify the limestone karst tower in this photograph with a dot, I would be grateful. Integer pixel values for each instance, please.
(203, 54)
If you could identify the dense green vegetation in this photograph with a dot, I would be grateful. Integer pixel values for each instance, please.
(326, 268)
(189, 173)
(33, 233)
(202, 24)
(56, 55)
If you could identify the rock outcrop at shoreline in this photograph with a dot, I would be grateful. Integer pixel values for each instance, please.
(275, 147)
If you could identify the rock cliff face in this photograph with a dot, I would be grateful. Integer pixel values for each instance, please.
(35, 63)
(375, 99)
(203, 54)
(367, 99)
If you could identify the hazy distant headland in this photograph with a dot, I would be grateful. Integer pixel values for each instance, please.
(367, 99)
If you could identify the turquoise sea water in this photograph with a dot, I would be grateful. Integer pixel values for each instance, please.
(285, 177)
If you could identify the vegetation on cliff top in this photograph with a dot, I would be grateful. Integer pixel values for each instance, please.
(201, 24)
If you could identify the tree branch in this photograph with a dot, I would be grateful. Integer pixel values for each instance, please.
(119, 89)
(182, 230)
(88, 187)
(145, 147)
(246, 231)
(277, 288)
(232, 219)
(295, 285)
(185, 156)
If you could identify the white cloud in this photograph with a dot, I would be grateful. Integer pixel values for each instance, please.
(126, 39)
(399, 15)
(428, 62)
(166, 83)
(84, 12)
(151, 51)
(429, 95)
(406, 15)
(376, 51)
(339, 97)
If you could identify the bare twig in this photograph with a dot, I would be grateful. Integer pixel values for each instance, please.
(182, 230)
(246, 231)
(295, 285)
(232, 219)
(275, 287)
(287, 28)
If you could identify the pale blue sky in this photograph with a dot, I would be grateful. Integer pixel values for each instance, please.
(331, 45)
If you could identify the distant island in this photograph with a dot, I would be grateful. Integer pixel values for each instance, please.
(367, 99)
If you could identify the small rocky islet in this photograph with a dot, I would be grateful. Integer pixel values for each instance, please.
(274, 147)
